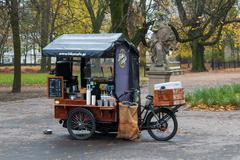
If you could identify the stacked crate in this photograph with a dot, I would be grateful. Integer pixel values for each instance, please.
(169, 96)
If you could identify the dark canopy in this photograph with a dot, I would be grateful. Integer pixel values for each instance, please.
(87, 45)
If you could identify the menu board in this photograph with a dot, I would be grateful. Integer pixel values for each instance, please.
(55, 87)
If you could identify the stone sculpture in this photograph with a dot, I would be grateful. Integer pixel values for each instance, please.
(162, 42)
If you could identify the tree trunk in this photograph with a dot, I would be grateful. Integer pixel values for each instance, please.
(142, 50)
(14, 20)
(49, 63)
(34, 53)
(197, 56)
(45, 9)
(49, 59)
(238, 57)
(118, 16)
(1, 57)
(25, 58)
(43, 64)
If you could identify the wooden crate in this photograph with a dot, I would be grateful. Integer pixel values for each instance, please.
(169, 97)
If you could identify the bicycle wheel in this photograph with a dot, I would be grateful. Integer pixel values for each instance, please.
(81, 124)
(162, 125)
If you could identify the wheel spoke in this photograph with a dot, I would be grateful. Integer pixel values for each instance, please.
(81, 124)
(163, 126)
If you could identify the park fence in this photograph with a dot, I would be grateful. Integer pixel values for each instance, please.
(215, 65)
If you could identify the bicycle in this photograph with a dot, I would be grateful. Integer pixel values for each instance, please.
(160, 122)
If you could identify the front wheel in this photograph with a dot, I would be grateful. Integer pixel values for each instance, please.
(81, 124)
(162, 124)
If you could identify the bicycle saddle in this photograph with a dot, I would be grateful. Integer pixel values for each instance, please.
(150, 97)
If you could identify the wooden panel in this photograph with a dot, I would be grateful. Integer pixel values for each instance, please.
(169, 94)
(108, 115)
(169, 97)
(103, 114)
(60, 112)
(169, 103)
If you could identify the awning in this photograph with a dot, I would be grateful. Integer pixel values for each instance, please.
(86, 45)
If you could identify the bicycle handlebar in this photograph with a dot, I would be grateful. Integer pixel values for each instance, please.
(130, 91)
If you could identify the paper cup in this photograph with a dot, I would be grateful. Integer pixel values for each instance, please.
(93, 100)
(99, 102)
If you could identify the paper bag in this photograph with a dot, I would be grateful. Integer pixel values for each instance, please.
(128, 122)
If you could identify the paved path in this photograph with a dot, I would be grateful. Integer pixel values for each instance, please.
(201, 135)
(207, 79)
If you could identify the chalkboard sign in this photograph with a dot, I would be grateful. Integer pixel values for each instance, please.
(55, 87)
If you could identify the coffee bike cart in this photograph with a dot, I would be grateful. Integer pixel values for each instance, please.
(109, 75)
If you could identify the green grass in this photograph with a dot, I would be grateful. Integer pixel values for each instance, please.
(28, 79)
(220, 96)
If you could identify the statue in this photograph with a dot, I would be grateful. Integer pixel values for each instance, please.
(162, 42)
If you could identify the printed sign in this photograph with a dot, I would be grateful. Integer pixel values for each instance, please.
(55, 87)
(122, 58)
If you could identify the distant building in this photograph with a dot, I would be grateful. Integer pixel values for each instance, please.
(29, 58)
(7, 58)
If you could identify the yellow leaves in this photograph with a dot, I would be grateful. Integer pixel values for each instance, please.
(220, 47)
(233, 30)
(184, 50)
(215, 108)
(72, 17)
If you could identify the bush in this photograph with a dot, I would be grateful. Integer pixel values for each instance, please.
(219, 96)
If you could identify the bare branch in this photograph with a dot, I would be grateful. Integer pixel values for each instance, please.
(89, 6)
(97, 18)
(180, 39)
(140, 34)
(231, 21)
(218, 17)
(182, 13)
(216, 39)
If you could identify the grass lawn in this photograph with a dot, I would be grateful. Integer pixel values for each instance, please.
(220, 96)
(37, 79)
(28, 79)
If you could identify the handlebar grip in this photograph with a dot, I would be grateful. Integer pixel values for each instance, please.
(132, 90)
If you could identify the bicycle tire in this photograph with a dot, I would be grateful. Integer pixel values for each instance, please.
(169, 114)
(85, 121)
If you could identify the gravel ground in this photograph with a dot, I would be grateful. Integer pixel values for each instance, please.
(26, 93)
(201, 135)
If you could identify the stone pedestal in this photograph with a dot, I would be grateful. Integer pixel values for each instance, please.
(157, 76)
(175, 68)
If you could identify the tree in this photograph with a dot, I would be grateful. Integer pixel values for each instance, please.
(64, 16)
(97, 16)
(4, 29)
(14, 21)
(44, 33)
(120, 11)
(203, 22)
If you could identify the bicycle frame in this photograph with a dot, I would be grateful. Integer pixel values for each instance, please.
(146, 110)
(151, 109)
(142, 121)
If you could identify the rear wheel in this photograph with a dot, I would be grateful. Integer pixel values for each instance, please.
(162, 125)
(81, 124)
